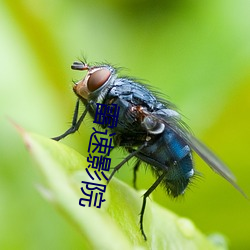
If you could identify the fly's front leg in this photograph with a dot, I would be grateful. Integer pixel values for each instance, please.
(145, 196)
(75, 123)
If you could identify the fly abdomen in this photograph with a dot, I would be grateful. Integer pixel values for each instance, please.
(180, 166)
(178, 176)
(177, 147)
(168, 153)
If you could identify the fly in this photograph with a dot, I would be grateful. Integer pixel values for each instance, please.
(149, 128)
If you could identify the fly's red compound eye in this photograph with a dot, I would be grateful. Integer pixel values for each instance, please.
(97, 79)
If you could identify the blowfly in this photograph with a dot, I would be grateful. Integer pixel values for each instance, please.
(148, 128)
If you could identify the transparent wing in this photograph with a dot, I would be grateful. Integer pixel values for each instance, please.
(208, 156)
(175, 124)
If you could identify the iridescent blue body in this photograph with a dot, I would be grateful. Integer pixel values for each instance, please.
(165, 150)
(149, 128)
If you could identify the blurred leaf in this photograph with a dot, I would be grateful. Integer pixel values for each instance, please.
(197, 53)
(118, 217)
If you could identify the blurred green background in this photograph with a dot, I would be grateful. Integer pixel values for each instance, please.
(196, 53)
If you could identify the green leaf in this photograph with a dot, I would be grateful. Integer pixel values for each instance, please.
(116, 224)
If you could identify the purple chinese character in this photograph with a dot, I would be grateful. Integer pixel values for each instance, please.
(96, 202)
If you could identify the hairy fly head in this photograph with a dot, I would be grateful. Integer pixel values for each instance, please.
(95, 79)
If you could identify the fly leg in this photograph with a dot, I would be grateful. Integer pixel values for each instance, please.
(136, 167)
(127, 158)
(145, 196)
(75, 124)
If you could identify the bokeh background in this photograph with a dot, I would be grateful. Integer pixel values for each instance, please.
(195, 52)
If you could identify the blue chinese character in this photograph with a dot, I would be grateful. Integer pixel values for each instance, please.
(112, 115)
(96, 202)
(100, 163)
(100, 113)
(104, 163)
(97, 175)
(102, 144)
(107, 114)
(94, 161)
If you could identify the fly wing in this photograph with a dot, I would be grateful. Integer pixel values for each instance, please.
(208, 156)
(174, 123)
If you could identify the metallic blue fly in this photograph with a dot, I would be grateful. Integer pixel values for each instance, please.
(149, 128)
